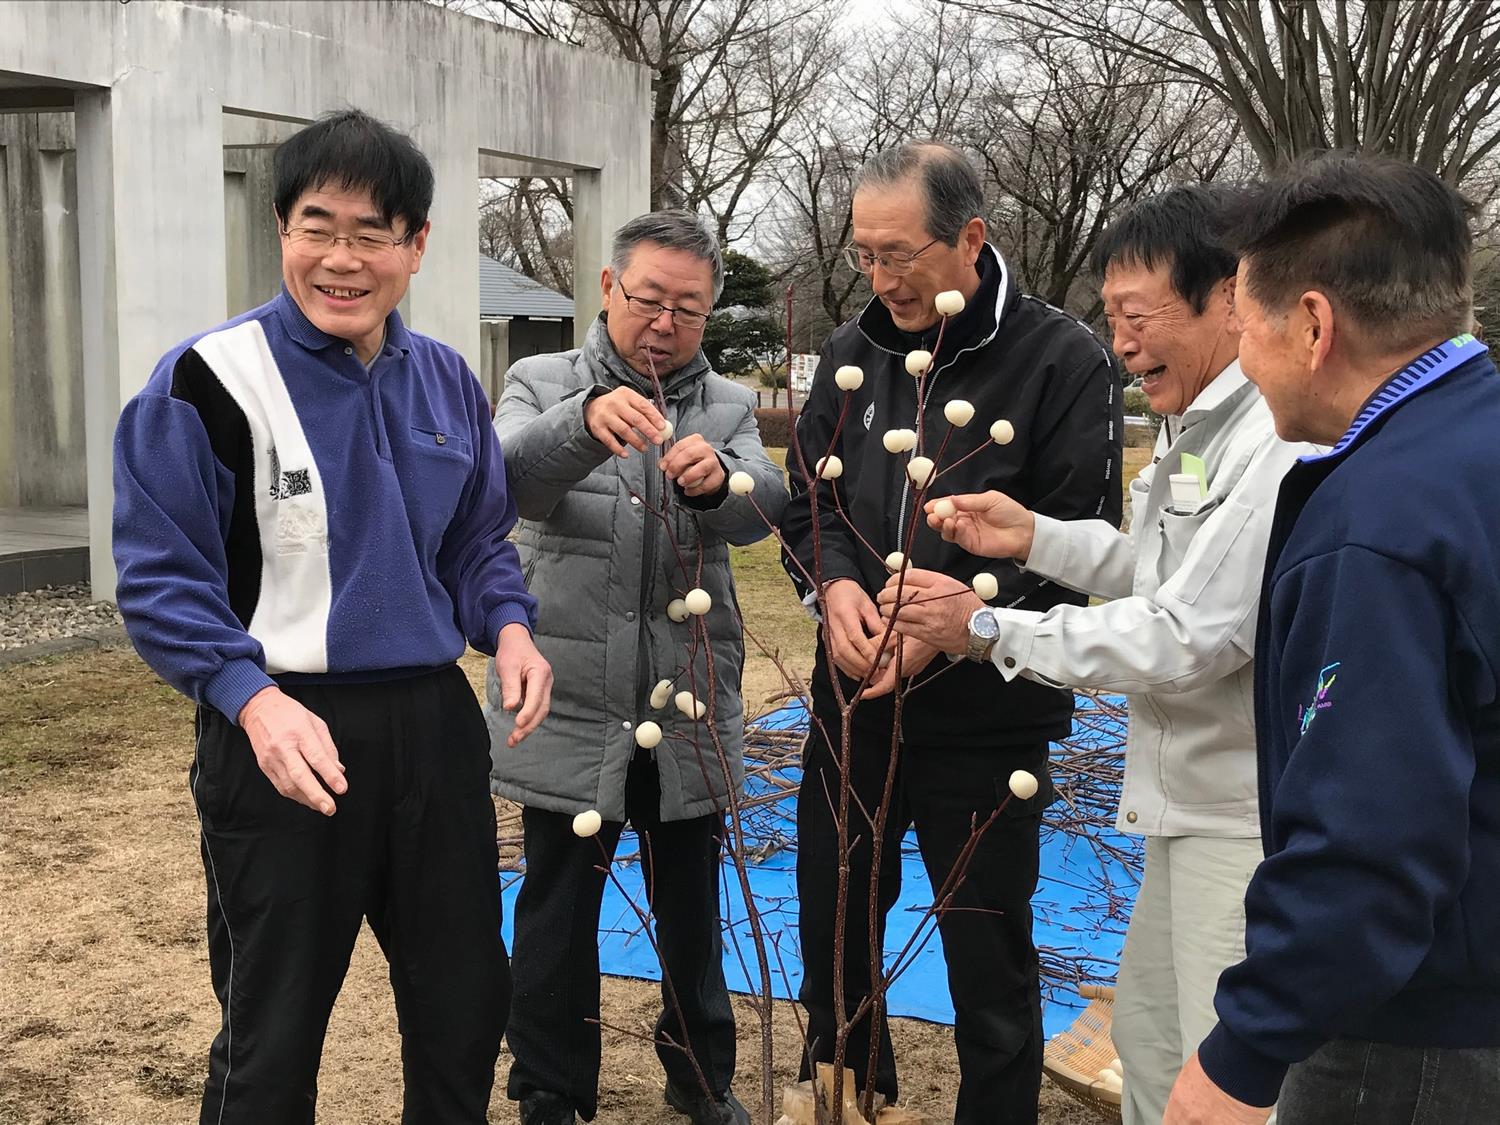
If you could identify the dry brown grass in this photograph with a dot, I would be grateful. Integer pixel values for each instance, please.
(105, 1007)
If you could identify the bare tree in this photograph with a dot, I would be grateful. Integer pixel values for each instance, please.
(527, 223)
(1073, 133)
(727, 77)
(1418, 79)
(908, 77)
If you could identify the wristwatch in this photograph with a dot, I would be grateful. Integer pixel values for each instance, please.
(984, 631)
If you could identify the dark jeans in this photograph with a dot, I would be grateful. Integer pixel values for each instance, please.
(411, 848)
(986, 933)
(554, 1030)
(1352, 1082)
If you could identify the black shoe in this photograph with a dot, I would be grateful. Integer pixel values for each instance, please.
(722, 1110)
(542, 1108)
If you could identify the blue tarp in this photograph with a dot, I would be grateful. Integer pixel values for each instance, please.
(1081, 905)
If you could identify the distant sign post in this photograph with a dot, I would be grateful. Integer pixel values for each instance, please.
(803, 367)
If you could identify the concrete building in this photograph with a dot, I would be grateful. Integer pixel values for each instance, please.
(134, 191)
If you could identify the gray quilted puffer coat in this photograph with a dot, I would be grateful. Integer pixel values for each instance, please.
(603, 569)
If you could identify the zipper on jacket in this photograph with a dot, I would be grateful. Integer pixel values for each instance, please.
(651, 458)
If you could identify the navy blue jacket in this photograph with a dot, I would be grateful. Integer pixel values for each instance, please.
(1376, 914)
(282, 511)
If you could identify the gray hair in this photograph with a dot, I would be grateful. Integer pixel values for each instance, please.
(676, 230)
(949, 183)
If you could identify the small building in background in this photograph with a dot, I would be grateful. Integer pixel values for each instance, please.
(518, 317)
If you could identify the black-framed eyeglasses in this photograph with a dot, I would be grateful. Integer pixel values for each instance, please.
(897, 265)
(314, 242)
(650, 310)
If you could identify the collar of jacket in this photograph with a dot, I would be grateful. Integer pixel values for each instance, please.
(1404, 385)
(314, 339)
(973, 328)
(1227, 384)
(600, 353)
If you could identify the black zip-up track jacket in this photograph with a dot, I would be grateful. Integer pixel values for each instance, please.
(1013, 357)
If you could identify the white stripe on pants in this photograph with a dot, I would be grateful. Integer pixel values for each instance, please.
(1188, 926)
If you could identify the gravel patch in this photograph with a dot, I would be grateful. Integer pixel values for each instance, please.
(52, 613)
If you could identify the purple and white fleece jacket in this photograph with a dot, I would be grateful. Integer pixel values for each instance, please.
(283, 511)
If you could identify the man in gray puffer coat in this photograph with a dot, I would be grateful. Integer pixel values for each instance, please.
(619, 521)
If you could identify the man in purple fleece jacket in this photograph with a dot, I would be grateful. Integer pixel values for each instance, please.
(310, 526)
(1370, 989)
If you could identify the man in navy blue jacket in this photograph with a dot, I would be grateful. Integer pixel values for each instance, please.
(1370, 989)
(310, 522)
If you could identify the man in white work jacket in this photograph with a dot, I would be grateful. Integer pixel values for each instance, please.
(1179, 634)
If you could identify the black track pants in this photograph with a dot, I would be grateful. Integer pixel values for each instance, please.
(986, 935)
(554, 1034)
(411, 848)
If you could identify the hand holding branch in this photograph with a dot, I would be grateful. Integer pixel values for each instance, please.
(694, 466)
(934, 608)
(623, 420)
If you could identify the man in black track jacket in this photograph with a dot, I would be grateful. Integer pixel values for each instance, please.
(1013, 360)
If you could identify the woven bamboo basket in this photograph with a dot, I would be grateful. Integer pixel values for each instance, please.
(1074, 1058)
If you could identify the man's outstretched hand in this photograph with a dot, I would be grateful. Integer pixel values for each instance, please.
(525, 680)
(294, 749)
(990, 524)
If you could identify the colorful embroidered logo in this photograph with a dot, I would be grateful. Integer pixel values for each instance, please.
(1320, 701)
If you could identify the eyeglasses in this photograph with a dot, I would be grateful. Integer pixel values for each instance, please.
(897, 265)
(650, 310)
(314, 242)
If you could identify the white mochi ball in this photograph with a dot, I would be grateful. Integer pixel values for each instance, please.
(741, 483)
(893, 441)
(647, 735)
(661, 693)
(1002, 432)
(587, 823)
(895, 560)
(677, 610)
(986, 585)
(1023, 784)
(959, 412)
(944, 509)
(692, 708)
(920, 470)
(698, 602)
(950, 302)
(830, 467)
(917, 362)
(849, 377)
(666, 431)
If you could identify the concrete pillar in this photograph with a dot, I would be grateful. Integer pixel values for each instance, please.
(151, 233)
(10, 493)
(444, 298)
(603, 201)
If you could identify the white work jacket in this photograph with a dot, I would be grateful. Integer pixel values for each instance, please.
(1179, 635)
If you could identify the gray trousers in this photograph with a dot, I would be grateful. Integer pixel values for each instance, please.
(1187, 927)
(1352, 1082)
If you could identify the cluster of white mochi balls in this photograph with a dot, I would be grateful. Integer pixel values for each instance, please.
(958, 412)
(697, 602)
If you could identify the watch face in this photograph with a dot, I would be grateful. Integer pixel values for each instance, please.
(984, 625)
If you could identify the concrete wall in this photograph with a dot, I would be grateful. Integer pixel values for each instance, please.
(252, 248)
(158, 89)
(42, 454)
